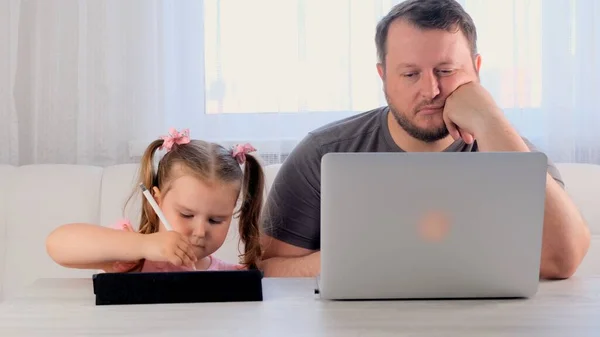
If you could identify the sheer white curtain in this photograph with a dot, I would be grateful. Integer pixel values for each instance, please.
(545, 70)
(91, 82)
(81, 79)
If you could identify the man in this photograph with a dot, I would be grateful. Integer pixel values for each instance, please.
(429, 66)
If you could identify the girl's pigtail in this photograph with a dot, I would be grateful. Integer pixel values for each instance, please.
(250, 212)
(147, 176)
(148, 219)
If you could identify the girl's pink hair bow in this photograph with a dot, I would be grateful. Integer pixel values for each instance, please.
(240, 151)
(175, 137)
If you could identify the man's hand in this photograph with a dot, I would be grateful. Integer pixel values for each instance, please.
(469, 110)
(470, 113)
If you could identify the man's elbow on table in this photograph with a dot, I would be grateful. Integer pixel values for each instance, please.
(562, 260)
(281, 259)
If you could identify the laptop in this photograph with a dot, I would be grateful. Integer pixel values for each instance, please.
(431, 225)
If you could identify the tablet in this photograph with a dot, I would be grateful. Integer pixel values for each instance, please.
(178, 287)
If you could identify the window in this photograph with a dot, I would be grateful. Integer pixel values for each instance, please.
(291, 56)
(273, 56)
(511, 67)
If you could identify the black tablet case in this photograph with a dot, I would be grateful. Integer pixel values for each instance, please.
(178, 287)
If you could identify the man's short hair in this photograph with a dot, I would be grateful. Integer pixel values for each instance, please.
(446, 15)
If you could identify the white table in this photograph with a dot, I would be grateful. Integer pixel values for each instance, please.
(65, 307)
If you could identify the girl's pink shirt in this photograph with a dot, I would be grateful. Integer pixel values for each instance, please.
(152, 266)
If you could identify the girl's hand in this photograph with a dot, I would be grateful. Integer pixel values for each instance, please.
(169, 247)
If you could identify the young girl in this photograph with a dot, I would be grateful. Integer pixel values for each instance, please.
(196, 185)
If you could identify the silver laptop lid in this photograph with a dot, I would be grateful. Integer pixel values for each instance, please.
(431, 225)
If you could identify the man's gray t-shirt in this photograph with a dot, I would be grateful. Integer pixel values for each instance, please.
(293, 207)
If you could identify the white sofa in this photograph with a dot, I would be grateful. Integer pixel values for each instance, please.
(35, 199)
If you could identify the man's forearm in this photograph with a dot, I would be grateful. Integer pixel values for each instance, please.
(304, 266)
(566, 237)
(499, 136)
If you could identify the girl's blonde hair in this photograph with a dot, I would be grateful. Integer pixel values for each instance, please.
(209, 162)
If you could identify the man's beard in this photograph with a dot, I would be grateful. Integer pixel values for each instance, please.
(422, 134)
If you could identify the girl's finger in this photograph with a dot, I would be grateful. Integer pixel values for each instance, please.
(188, 250)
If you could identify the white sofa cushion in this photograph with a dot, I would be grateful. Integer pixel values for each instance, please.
(43, 197)
(582, 183)
(7, 177)
(118, 182)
